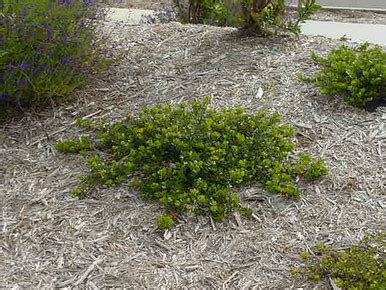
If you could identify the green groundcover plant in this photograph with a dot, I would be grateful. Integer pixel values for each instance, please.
(47, 49)
(251, 16)
(192, 157)
(361, 266)
(358, 74)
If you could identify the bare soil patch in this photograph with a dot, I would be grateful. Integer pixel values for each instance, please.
(109, 239)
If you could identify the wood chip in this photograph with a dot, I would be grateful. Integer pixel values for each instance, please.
(51, 239)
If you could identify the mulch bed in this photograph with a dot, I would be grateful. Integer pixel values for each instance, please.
(50, 238)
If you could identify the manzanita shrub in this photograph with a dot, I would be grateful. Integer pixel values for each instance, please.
(251, 16)
(192, 157)
(361, 266)
(47, 49)
(358, 74)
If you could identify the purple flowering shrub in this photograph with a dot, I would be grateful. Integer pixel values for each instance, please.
(47, 49)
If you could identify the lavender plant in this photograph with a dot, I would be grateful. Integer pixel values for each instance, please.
(47, 49)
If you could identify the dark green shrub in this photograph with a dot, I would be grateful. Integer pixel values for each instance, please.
(361, 266)
(251, 16)
(47, 49)
(191, 157)
(357, 74)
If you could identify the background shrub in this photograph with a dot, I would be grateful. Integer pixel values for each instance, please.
(357, 74)
(360, 266)
(191, 157)
(47, 49)
(252, 16)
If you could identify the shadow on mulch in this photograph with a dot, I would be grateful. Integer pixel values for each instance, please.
(375, 104)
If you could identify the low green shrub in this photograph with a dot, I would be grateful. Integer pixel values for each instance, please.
(357, 74)
(83, 144)
(165, 221)
(361, 266)
(47, 49)
(192, 157)
(251, 16)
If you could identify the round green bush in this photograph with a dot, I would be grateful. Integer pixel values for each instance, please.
(192, 157)
(358, 74)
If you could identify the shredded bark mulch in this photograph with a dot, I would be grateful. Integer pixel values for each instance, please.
(51, 239)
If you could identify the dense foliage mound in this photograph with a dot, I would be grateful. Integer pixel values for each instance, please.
(191, 157)
(47, 48)
(357, 74)
(251, 16)
(361, 266)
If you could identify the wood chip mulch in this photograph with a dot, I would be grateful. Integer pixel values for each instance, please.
(51, 239)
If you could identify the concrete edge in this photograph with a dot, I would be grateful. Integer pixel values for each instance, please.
(378, 10)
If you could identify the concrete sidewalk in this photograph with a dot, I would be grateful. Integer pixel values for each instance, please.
(357, 32)
(129, 16)
(354, 4)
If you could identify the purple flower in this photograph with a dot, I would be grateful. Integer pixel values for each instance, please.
(63, 60)
(43, 24)
(88, 3)
(22, 83)
(65, 2)
(23, 66)
(38, 48)
(67, 61)
(5, 97)
(24, 12)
